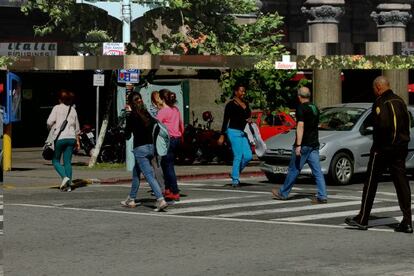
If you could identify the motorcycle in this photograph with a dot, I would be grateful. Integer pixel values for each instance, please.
(200, 143)
(114, 146)
(87, 139)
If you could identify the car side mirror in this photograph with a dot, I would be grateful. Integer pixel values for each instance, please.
(367, 131)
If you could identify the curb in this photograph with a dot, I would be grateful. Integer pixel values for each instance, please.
(111, 181)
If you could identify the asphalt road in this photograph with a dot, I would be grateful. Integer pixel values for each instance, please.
(214, 230)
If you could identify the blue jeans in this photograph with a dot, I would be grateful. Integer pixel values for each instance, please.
(143, 156)
(65, 147)
(242, 152)
(309, 155)
(167, 165)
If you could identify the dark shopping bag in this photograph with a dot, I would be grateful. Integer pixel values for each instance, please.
(48, 152)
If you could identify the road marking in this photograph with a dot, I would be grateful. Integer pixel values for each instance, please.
(1, 218)
(385, 221)
(192, 217)
(339, 214)
(289, 209)
(236, 191)
(200, 200)
(230, 206)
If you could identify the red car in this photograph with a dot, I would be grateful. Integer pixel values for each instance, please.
(271, 123)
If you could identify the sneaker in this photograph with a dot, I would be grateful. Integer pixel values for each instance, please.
(235, 184)
(167, 192)
(276, 195)
(352, 221)
(69, 188)
(65, 182)
(160, 205)
(317, 200)
(174, 197)
(129, 202)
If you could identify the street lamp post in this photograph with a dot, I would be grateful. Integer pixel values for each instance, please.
(126, 12)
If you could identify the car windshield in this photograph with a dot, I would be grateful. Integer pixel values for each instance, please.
(339, 118)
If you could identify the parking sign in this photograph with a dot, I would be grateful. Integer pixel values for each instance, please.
(128, 75)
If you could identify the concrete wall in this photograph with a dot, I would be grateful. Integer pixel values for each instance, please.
(203, 94)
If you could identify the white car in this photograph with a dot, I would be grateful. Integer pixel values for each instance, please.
(345, 136)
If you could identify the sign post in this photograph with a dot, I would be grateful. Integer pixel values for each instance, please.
(98, 80)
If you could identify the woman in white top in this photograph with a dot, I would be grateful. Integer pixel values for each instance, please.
(68, 138)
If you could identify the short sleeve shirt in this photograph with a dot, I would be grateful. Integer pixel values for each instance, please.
(308, 113)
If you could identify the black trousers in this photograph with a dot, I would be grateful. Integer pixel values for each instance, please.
(394, 160)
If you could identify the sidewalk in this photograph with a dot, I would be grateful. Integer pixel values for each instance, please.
(30, 169)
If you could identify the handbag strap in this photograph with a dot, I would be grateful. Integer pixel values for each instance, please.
(67, 115)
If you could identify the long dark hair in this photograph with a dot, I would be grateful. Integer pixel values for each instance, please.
(138, 108)
(168, 97)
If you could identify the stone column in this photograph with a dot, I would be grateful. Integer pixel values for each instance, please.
(392, 17)
(327, 87)
(323, 19)
(323, 28)
(399, 80)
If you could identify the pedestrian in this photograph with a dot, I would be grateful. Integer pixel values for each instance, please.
(236, 115)
(305, 149)
(68, 139)
(153, 109)
(391, 134)
(170, 116)
(156, 104)
(140, 123)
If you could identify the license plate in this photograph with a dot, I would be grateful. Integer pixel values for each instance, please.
(281, 170)
(89, 134)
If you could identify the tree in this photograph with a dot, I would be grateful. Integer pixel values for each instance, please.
(190, 26)
(266, 89)
(70, 18)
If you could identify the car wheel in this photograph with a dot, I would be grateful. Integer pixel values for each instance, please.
(275, 178)
(341, 169)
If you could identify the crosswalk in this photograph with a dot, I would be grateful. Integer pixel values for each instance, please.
(256, 205)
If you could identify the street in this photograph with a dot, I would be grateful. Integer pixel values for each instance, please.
(214, 230)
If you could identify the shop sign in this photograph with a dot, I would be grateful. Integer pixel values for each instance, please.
(28, 49)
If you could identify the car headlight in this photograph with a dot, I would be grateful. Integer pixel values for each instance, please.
(322, 145)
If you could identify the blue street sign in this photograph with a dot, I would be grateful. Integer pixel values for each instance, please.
(128, 75)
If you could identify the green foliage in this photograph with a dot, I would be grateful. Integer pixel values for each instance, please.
(92, 46)
(356, 62)
(210, 28)
(6, 61)
(266, 89)
(65, 16)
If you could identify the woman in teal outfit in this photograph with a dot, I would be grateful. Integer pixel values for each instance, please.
(68, 138)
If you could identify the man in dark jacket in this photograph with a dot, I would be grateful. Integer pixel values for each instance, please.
(391, 135)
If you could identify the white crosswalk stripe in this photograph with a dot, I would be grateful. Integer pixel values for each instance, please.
(200, 200)
(339, 214)
(291, 209)
(230, 206)
(257, 206)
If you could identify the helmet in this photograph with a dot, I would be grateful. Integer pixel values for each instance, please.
(207, 116)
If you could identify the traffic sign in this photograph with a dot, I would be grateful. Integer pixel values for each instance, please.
(98, 80)
(128, 75)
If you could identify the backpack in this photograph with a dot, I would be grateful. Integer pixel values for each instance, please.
(161, 139)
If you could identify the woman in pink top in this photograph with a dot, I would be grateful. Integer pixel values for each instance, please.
(170, 116)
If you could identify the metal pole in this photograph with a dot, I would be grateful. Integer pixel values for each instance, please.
(97, 113)
(126, 21)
